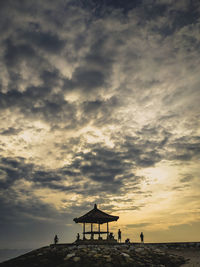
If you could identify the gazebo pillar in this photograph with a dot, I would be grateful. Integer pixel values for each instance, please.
(107, 231)
(83, 231)
(92, 235)
(99, 232)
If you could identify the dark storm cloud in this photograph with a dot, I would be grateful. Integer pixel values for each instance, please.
(23, 47)
(102, 165)
(189, 15)
(53, 180)
(47, 41)
(186, 178)
(100, 8)
(107, 168)
(39, 102)
(10, 131)
(14, 169)
(185, 148)
(100, 112)
(50, 77)
(92, 74)
(177, 15)
(151, 11)
(112, 167)
(88, 79)
(16, 53)
(141, 153)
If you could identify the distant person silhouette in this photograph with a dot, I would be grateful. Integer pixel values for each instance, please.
(78, 236)
(92, 236)
(119, 235)
(142, 237)
(55, 239)
(127, 241)
(111, 236)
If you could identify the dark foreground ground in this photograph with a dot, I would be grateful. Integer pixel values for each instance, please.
(7, 254)
(104, 256)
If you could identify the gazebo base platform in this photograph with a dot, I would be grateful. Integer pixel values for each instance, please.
(96, 242)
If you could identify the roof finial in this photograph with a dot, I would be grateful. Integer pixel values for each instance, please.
(95, 206)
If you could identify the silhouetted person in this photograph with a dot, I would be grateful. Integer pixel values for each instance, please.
(78, 237)
(55, 239)
(142, 237)
(111, 236)
(127, 241)
(92, 236)
(119, 235)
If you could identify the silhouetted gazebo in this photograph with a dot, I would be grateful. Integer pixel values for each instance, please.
(96, 216)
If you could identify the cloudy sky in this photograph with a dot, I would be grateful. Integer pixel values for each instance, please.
(99, 103)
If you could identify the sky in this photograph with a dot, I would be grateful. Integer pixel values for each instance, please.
(99, 103)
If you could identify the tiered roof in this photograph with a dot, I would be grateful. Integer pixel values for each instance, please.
(96, 216)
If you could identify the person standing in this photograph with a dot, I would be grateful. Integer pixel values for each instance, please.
(78, 237)
(142, 237)
(55, 239)
(119, 235)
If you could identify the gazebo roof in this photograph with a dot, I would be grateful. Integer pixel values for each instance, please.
(96, 216)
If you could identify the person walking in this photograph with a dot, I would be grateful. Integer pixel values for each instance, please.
(119, 235)
(142, 237)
